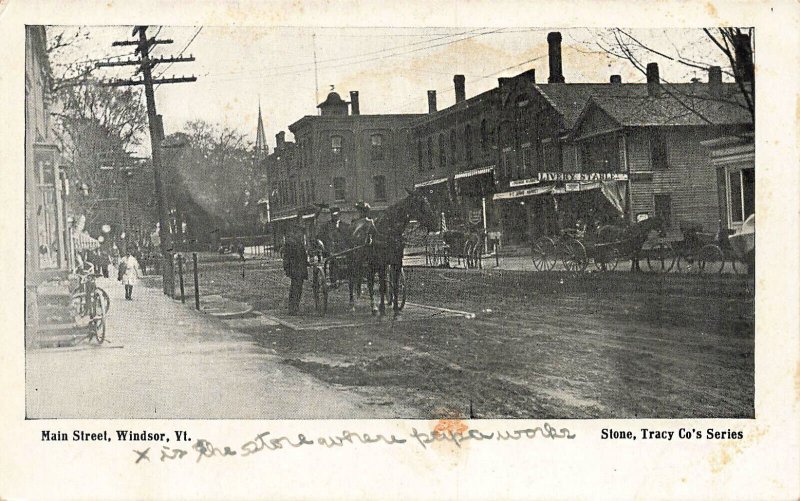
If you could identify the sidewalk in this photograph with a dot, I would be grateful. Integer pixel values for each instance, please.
(165, 360)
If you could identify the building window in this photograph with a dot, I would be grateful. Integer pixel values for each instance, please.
(313, 190)
(442, 152)
(468, 144)
(742, 191)
(377, 147)
(430, 153)
(526, 160)
(600, 155)
(551, 156)
(658, 149)
(453, 157)
(339, 189)
(420, 157)
(484, 136)
(336, 145)
(506, 162)
(663, 208)
(380, 188)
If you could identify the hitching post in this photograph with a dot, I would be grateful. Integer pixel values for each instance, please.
(180, 276)
(196, 283)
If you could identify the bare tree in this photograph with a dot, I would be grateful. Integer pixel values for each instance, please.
(734, 45)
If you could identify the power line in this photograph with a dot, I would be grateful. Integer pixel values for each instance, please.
(182, 51)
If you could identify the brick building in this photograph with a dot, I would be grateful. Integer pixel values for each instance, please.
(338, 158)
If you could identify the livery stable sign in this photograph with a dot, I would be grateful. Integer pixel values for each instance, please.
(570, 177)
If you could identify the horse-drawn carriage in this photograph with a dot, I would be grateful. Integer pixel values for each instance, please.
(605, 246)
(370, 247)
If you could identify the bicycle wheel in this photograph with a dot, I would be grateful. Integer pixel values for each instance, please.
(400, 294)
(98, 317)
(106, 300)
(710, 259)
(77, 304)
(543, 254)
(661, 258)
(319, 284)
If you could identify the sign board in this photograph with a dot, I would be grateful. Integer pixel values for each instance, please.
(523, 182)
(572, 187)
(475, 216)
(537, 190)
(582, 176)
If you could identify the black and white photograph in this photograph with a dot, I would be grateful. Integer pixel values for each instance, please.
(235, 222)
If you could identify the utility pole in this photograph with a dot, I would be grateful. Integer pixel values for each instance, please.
(145, 65)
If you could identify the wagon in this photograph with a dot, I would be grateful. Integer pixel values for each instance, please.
(574, 249)
(321, 267)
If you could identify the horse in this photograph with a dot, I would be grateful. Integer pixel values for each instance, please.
(631, 238)
(380, 245)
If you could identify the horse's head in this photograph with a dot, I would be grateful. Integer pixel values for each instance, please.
(419, 208)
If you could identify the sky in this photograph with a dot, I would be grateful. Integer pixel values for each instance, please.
(392, 68)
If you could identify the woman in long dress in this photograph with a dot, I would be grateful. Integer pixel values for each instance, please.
(131, 274)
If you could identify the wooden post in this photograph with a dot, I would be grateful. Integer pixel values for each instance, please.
(180, 276)
(196, 283)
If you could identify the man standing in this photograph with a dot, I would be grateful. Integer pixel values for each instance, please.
(333, 234)
(295, 263)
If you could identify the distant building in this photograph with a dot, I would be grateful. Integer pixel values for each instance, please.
(340, 158)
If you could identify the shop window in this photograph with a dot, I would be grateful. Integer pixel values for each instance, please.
(505, 159)
(741, 189)
(663, 208)
(658, 149)
(339, 189)
(551, 156)
(380, 188)
(377, 147)
(313, 190)
(442, 152)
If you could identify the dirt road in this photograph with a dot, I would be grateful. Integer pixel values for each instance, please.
(542, 345)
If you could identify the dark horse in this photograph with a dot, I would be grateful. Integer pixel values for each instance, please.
(380, 245)
(631, 239)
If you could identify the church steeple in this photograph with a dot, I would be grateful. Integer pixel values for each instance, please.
(261, 149)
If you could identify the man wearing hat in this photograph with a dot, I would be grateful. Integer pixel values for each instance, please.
(363, 225)
(333, 237)
(295, 262)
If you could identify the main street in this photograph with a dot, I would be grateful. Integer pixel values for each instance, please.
(532, 344)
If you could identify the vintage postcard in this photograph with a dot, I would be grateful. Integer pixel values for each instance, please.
(441, 250)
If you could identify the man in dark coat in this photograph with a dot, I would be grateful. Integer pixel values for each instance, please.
(333, 236)
(295, 263)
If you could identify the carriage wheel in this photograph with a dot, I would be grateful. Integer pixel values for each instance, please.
(710, 259)
(320, 286)
(606, 259)
(687, 262)
(400, 294)
(661, 258)
(574, 258)
(543, 254)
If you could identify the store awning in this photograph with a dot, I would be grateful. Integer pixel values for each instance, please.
(430, 183)
(527, 192)
(83, 241)
(474, 172)
(283, 218)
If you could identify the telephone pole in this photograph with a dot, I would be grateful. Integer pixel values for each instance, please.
(145, 66)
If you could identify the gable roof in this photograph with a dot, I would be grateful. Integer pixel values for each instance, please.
(631, 104)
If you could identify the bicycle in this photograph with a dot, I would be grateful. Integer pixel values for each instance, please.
(89, 300)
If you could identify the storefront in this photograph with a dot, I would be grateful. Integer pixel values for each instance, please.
(551, 202)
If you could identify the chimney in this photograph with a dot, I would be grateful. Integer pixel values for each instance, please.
(653, 80)
(354, 109)
(616, 79)
(431, 101)
(744, 57)
(554, 43)
(502, 81)
(280, 139)
(715, 81)
(529, 74)
(461, 93)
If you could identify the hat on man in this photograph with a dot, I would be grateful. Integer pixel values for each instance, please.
(363, 206)
(334, 211)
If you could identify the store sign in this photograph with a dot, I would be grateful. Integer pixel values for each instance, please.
(572, 187)
(581, 176)
(523, 182)
(475, 216)
(523, 193)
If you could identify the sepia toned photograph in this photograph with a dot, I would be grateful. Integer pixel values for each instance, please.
(233, 222)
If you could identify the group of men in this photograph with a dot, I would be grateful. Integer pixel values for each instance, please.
(335, 236)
